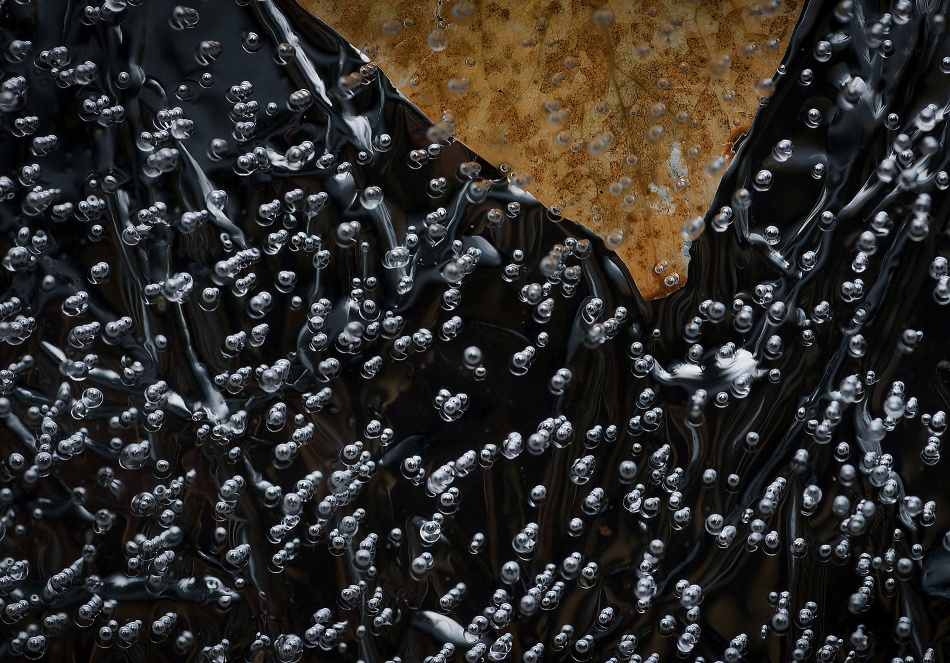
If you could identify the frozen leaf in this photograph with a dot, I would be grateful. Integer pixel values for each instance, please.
(619, 115)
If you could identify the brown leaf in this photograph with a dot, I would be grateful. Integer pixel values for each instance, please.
(620, 115)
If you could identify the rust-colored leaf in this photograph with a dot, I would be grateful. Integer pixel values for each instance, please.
(620, 115)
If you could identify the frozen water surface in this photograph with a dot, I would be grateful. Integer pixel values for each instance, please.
(285, 379)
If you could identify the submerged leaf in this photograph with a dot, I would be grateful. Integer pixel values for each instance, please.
(619, 115)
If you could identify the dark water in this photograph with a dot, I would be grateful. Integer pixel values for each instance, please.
(746, 470)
